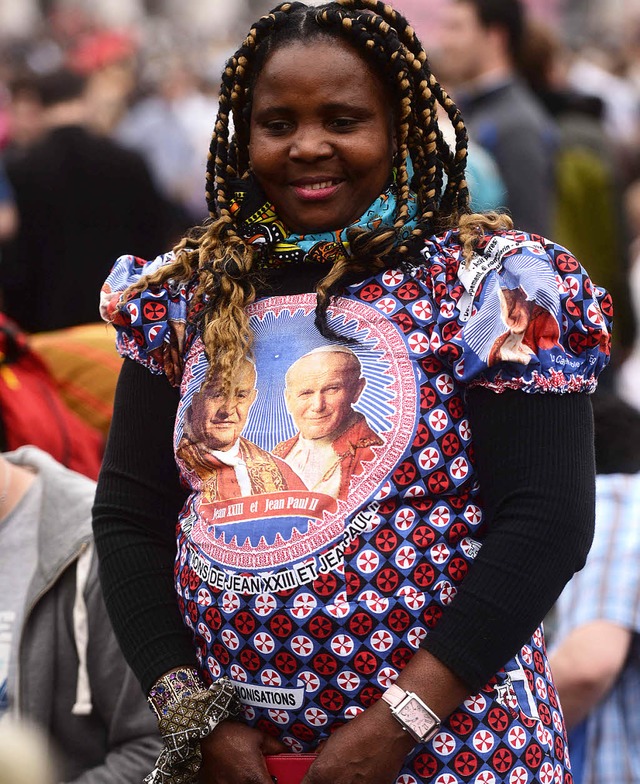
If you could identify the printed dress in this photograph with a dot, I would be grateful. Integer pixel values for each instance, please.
(335, 507)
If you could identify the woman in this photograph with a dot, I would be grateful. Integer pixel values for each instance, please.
(394, 629)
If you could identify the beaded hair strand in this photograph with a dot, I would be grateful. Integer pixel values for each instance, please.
(219, 259)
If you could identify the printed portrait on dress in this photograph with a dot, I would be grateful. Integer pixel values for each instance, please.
(301, 438)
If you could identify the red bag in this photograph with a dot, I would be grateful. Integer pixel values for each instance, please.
(289, 768)
(33, 412)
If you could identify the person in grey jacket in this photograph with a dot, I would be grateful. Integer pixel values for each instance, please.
(60, 665)
(482, 44)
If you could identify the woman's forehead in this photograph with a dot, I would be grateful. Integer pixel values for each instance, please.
(322, 64)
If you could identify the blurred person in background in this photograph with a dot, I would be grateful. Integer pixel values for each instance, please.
(481, 43)
(170, 127)
(24, 116)
(596, 655)
(79, 197)
(60, 665)
(33, 409)
(628, 376)
(108, 58)
(599, 69)
(588, 217)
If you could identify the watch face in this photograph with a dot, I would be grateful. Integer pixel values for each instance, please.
(415, 717)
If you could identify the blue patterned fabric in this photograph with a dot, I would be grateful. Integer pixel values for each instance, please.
(147, 322)
(259, 224)
(608, 588)
(522, 315)
(311, 594)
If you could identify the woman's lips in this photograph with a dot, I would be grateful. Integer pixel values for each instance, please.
(318, 190)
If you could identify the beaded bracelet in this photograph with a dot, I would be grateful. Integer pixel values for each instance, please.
(187, 712)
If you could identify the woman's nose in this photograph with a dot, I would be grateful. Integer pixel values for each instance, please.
(310, 144)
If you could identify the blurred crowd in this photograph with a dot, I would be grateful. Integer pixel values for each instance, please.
(127, 112)
(104, 132)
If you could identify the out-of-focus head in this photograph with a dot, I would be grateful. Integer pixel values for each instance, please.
(60, 86)
(25, 110)
(477, 35)
(61, 95)
(545, 58)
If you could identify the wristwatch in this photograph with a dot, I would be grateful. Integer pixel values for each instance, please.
(415, 717)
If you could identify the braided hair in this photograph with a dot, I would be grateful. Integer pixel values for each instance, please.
(227, 278)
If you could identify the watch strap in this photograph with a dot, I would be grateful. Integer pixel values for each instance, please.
(396, 697)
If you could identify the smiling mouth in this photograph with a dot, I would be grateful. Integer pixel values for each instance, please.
(317, 186)
(316, 190)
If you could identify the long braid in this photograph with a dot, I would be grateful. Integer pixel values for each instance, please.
(455, 200)
(218, 259)
(239, 71)
(429, 152)
(227, 274)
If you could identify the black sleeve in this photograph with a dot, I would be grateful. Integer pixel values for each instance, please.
(535, 460)
(138, 499)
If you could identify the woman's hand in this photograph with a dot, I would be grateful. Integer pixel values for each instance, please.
(370, 748)
(234, 753)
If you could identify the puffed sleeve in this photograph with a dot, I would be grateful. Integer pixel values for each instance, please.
(523, 315)
(150, 324)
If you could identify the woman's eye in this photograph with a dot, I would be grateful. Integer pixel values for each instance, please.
(277, 126)
(344, 122)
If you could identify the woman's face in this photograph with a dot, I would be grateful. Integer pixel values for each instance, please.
(322, 135)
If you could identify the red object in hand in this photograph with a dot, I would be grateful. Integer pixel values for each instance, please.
(289, 768)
